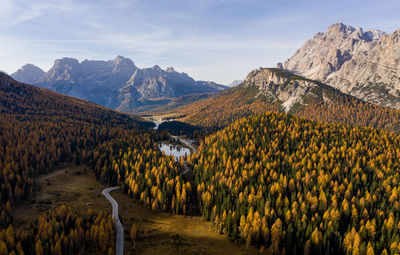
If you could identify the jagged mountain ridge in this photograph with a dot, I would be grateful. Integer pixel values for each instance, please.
(273, 89)
(365, 64)
(91, 80)
(119, 84)
(157, 85)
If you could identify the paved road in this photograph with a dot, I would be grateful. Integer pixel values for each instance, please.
(118, 225)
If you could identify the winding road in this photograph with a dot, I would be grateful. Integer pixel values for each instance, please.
(118, 225)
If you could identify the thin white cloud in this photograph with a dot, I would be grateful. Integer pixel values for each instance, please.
(14, 12)
(209, 39)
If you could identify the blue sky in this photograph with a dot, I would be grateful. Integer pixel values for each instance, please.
(219, 40)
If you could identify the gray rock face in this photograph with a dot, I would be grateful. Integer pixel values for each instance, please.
(364, 64)
(28, 74)
(91, 80)
(118, 83)
(154, 84)
(282, 87)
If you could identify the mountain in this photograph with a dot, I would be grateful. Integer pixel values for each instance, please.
(154, 86)
(362, 63)
(28, 74)
(20, 99)
(272, 89)
(117, 83)
(91, 80)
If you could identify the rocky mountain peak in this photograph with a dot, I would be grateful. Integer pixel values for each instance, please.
(342, 29)
(156, 67)
(64, 62)
(261, 75)
(28, 74)
(170, 69)
(364, 64)
(124, 66)
(63, 69)
(120, 61)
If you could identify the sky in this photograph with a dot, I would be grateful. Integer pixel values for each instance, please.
(218, 40)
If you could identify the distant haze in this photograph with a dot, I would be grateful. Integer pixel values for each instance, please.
(218, 40)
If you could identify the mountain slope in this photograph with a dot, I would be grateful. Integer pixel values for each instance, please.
(39, 129)
(17, 98)
(28, 74)
(271, 89)
(365, 64)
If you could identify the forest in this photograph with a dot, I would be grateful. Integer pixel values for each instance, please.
(292, 186)
(62, 231)
(282, 183)
(40, 129)
(136, 163)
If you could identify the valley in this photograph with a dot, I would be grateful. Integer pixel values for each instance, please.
(137, 158)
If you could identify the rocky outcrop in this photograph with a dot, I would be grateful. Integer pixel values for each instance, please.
(365, 64)
(28, 74)
(286, 89)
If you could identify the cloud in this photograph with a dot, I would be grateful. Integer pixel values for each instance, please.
(210, 39)
(14, 12)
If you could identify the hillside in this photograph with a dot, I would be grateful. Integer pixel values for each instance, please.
(39, 129)
(294, 186)
(362, 63)
(18, 100)
(271, 89)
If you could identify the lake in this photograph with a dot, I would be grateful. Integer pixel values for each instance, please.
(173, 150)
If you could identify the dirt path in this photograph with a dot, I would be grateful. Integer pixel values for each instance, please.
(43, 178)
